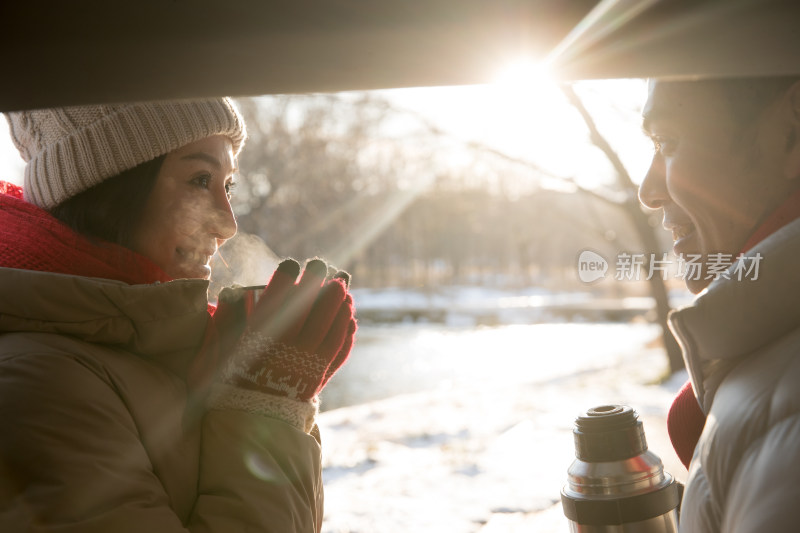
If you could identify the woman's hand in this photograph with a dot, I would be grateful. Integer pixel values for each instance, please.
(297, 336)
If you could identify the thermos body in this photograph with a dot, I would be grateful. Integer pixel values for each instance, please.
(615, 484)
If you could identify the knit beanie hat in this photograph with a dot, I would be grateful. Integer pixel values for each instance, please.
(71, 149)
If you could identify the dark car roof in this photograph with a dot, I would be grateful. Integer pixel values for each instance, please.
(92, 51)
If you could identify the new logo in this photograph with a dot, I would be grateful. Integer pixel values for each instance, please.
(591, 266)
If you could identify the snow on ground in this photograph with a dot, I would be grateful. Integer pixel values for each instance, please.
(488, 453)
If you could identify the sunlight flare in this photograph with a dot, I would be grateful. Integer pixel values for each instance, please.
(605, 18)
(524, 73)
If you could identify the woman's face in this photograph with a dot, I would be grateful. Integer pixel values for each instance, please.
(188, 214)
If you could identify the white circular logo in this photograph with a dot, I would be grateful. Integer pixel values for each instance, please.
(591, 266)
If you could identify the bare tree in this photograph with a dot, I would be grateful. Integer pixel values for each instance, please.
(640, 221)
(326, 181)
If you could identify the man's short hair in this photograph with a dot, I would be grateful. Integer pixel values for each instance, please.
(747, 97)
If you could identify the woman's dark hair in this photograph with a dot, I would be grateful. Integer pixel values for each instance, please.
(111, 211)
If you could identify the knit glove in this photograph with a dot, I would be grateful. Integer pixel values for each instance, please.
(225, 327)
(297, 335)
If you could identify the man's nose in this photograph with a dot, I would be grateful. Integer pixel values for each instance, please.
(653, 189)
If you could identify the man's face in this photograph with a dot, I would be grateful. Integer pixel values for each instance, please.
(714, 178)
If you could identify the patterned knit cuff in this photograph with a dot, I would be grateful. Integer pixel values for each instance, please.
(297, 413)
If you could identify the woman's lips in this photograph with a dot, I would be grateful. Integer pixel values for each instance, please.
(197, 257)
(194, 263)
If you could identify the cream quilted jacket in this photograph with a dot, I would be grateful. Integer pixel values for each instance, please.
(741, 342)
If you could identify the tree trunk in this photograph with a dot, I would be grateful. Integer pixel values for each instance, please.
(658, 289)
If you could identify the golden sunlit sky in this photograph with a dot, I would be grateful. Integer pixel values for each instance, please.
(530, 119)
(523, 114)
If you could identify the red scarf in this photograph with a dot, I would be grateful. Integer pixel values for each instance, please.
(685, 419)
(32, 239)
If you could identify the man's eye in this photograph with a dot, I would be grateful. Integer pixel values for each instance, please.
(664, 145)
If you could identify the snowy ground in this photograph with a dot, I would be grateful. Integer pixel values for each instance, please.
(488, 452)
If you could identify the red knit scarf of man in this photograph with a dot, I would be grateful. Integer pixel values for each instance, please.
(32, 239)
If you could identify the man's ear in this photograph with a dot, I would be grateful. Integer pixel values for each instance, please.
(792, 140)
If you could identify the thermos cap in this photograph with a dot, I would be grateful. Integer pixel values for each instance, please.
(608, 433)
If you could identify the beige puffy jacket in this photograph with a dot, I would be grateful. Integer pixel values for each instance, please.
(97, 433)
(741, 342)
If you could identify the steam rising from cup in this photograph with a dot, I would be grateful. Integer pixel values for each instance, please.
(244, 260)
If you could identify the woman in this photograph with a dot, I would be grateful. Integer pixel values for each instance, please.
(104, 316)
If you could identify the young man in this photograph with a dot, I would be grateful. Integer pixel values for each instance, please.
(726, 173)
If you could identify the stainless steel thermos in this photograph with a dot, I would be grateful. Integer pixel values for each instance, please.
(615, 484)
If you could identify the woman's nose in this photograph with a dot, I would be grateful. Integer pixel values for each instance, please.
(653, 189)
(222, 224)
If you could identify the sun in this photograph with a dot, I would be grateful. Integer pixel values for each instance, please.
(523, 73)
(526, 85)
(541, 125)
(531, 118)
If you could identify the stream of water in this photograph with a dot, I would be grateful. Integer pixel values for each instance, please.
(388, 360)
